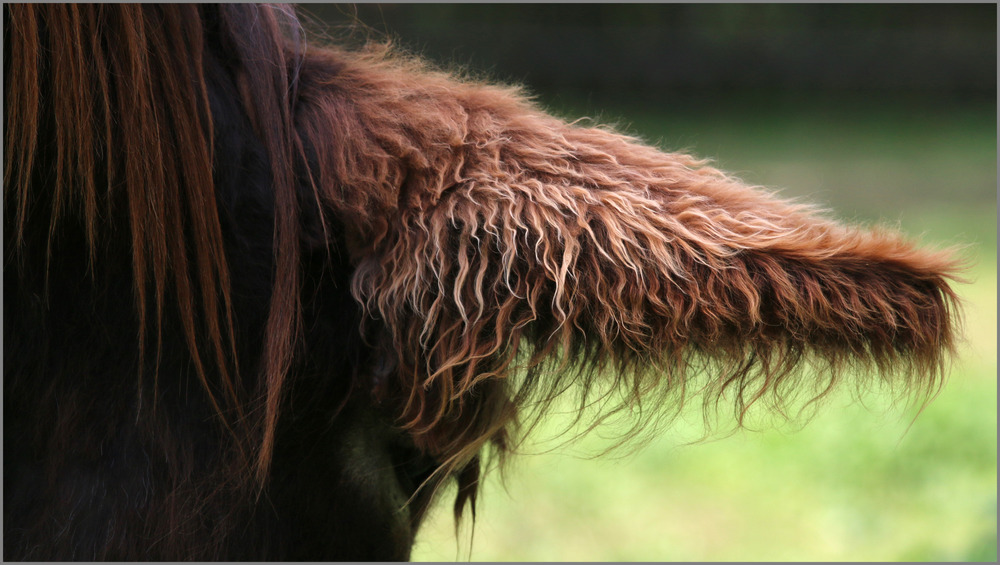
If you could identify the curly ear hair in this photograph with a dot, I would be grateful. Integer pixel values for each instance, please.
(492, 239)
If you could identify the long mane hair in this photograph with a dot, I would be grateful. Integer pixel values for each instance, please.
(481, 256)
(123, 92)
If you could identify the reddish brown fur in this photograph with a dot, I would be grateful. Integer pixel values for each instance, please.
(483, 225)
(508, 253)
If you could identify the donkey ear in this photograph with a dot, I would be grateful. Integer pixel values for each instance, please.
(488, 228)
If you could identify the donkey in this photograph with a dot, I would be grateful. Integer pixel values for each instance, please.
(264, 298)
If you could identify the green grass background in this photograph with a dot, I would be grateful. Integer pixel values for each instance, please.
(857, 482)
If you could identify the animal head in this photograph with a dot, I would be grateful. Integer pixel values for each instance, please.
(356, 255)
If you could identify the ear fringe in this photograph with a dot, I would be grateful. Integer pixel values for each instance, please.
(486, 229)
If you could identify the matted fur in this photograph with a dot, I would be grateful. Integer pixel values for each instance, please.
(500, 257)
(483, 226)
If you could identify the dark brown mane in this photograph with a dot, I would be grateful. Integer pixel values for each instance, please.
(155, 161)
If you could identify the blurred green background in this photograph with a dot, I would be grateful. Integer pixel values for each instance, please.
(881, 113)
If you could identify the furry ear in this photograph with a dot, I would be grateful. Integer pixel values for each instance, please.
(491, 237)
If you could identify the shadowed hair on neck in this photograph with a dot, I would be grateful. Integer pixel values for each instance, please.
(133, 135)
